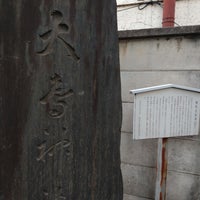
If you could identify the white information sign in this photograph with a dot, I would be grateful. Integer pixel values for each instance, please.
(166, 111)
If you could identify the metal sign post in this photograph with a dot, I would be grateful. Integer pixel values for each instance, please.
(161, 112)
(161, 177)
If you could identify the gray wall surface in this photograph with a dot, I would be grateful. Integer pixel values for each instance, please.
(149, 62)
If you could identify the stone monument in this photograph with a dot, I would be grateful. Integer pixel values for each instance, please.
(60, 101)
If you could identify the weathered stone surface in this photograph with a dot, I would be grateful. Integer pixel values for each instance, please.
(134, 80)
(150, 54)
(138, 152)
(139, 181)
(130, 197)
(127, 117)
(60, 107)
(183, 155)
(191, 31)
(182, 186)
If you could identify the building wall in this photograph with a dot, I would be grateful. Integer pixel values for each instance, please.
(148, 62)
(130, 17)
(154, 61)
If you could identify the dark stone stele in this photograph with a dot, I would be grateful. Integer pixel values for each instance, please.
(60, 101)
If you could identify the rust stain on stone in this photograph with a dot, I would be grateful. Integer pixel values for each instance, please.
(163, 170)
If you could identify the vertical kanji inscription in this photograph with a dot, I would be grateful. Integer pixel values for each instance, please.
(49, 37)
(55, 99)
(59, 91)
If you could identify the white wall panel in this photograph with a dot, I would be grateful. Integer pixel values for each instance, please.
(131, 17)
(186, 13)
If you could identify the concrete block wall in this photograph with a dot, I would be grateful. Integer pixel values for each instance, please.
(148, 62)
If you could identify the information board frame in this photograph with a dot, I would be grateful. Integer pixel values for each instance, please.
(165, 111)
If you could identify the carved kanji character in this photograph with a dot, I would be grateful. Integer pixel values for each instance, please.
(53, 34)
(55, 98)
(49, 151)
